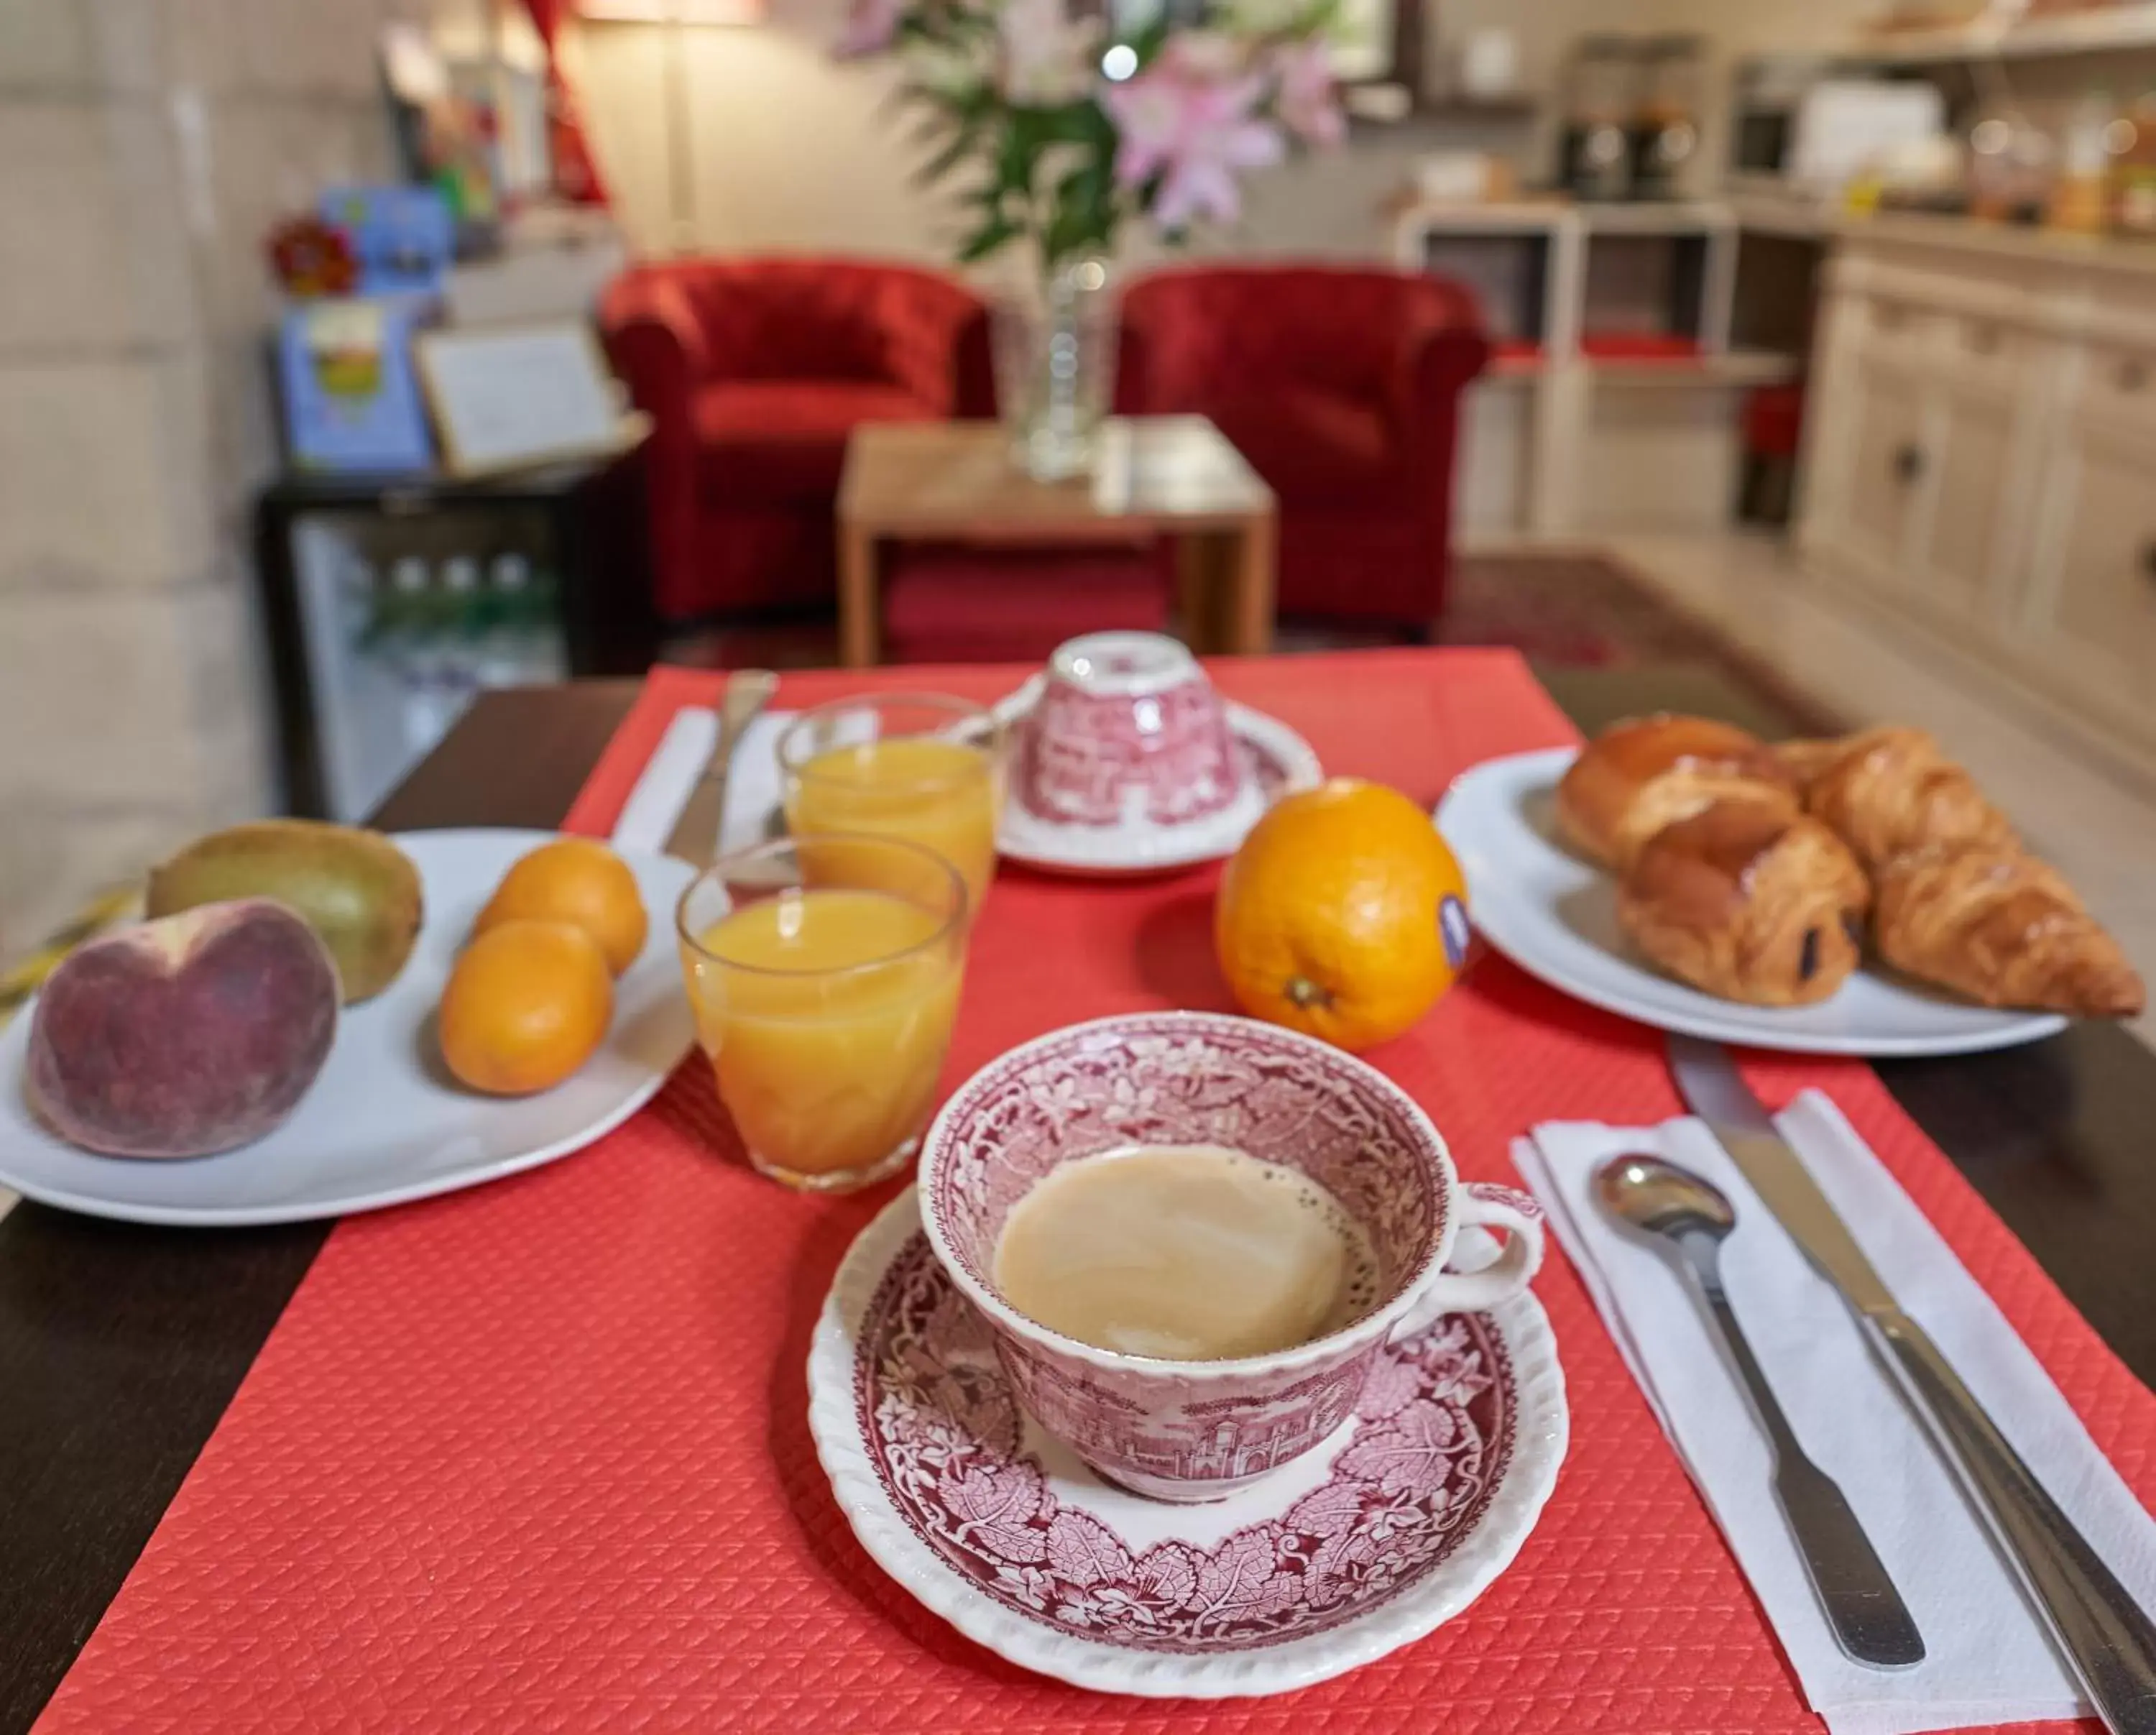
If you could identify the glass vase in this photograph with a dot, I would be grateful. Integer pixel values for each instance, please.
(1055, 369)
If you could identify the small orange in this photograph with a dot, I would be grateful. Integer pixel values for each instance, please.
(1343, 915)
(524, 1007)
(575, 879)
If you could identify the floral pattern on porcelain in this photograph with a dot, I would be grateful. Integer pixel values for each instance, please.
(1274, 761)
(1106, 756)
(1185, 1431)
(1432, 1437)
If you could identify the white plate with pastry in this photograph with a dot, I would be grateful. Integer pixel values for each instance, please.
(1555, 914)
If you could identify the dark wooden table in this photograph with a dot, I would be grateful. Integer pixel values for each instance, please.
(119, 1347)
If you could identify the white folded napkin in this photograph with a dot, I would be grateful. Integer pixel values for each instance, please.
(1988, 1659)
(752, 786)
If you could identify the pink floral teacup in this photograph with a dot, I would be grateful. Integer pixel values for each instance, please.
(1127, 729)
(1202, 1431)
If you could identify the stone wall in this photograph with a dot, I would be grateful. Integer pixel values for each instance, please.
(145, 147)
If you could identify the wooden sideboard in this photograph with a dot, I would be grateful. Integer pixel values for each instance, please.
(1980, 458)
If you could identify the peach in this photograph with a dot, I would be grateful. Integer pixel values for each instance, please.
(184, 1036)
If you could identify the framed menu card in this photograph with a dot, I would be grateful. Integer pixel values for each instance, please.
(507, 396)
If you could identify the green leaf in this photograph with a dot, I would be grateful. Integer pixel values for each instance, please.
(1148, 42)
(955, 151)
(998, 232)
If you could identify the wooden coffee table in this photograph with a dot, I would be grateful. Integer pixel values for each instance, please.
(1155, 476)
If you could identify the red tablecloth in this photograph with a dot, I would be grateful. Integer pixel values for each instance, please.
(535, 1456)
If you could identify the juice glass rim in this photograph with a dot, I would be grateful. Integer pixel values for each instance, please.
(772, 847)
(796, 763)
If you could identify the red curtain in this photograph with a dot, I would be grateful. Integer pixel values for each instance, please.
(576, 175)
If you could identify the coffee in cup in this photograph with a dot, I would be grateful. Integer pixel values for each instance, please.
(1189, 1253)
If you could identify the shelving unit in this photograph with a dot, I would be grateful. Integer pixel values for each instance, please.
(2100, 30)
(1616, 395)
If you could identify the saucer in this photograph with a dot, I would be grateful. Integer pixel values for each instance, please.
(1277, 760)
(1367, 1543)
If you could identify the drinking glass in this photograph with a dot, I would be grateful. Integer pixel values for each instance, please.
(922, 767)
(824, 971)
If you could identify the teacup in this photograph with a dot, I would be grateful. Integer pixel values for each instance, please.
(1127, 729)
(1189, 1431)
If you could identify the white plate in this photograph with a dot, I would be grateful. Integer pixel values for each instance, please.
(1366, 1543)
(1555, 915)
(1276, 759)
(385, 1123)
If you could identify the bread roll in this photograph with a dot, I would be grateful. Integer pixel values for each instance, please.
(1637, 776)
(1748, 901)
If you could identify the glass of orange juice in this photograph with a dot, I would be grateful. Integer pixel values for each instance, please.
(921, 766)
(824, 971)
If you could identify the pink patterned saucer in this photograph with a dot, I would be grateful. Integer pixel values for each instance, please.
(1367, 1543)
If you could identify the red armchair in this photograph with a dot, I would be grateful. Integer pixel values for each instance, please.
(754, 372)
(1342, 387)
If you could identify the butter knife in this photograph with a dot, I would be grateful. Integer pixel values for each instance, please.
(694, 838)
(2105, 1639)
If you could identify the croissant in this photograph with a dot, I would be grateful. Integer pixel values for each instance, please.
(1805, 760)
(1889, 791)
(2003, 929)
(1748, 901)
(1638, 776)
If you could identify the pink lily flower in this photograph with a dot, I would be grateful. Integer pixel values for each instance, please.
(1187, 118)
(869, 28)
(1306, 102)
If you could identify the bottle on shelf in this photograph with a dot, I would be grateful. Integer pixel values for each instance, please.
(2013, 167)
(2080, 195)
(2132, 154)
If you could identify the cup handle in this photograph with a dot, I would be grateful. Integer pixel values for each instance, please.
(1486, 1205)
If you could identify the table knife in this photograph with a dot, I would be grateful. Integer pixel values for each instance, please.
(2107, 1641)
(694, 838)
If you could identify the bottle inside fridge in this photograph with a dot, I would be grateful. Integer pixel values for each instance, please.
(402, 627)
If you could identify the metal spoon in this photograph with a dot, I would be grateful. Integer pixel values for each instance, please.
(1690, 1216)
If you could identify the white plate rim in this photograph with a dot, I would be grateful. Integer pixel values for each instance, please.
(1543, 1434)
(13, 1039)
(1115, 852)
(1746, 1027)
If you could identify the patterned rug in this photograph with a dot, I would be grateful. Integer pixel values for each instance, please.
(1561, 610)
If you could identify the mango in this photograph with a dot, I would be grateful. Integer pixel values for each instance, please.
(355, 889)
(186, 1036)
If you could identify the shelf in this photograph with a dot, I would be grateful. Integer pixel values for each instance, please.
(1473, 217)
(2098, 30)
(1532, 216)
(1734, 368)
(1673, 217)
(1437, 109)
(1648, 361)
(1520, 105)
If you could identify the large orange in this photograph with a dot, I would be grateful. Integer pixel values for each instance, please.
(525, 1006)
(1343, 915)
(579, 881)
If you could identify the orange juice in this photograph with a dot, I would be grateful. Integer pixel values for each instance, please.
(939, 794)
(826, 1013)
